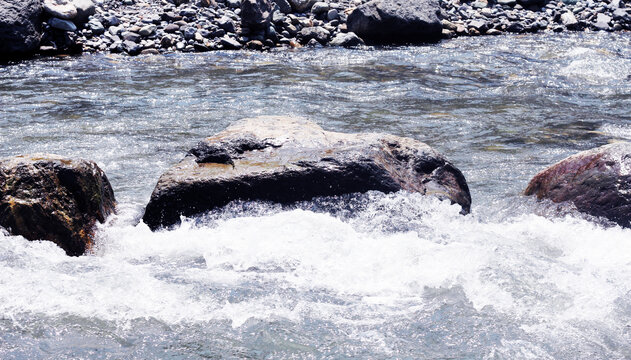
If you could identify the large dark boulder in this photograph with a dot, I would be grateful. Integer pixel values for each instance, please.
(256, 14)
(285, 160)
(20, 27)
(47, 197)
(396, 21)
(597, 182)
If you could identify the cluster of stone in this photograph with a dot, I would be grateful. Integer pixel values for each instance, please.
(494, 17)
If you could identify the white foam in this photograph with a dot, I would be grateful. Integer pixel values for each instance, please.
(273, 266)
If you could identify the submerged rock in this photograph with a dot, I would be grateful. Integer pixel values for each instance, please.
(285, 160)
(20, 27)
(597, 182)
(396, 21)
(47, 197)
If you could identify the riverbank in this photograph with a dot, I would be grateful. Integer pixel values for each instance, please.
(159, 26)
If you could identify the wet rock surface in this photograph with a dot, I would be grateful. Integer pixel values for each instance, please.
(48, 197)
(285, 160)
(597, 182)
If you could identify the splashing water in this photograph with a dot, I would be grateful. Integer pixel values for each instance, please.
(358, 276)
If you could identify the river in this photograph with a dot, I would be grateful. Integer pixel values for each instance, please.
(368, 276)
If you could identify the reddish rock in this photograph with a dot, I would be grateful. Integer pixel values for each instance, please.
(597, 182)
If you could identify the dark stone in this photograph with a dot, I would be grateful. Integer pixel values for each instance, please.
(285, 160)
(516, 27)
(284, 6)
(131, 36)
(131, 47)
(47, 197)
(226, 24)
(171, 28)
(597, 182)
(256, 14)
(396, 21)
(20, 27)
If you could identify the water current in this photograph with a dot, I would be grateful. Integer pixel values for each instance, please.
(369, 276)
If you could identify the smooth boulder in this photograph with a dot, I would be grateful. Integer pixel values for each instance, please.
(284, 160)
(597, 182)
(396, 21)
(48, 197)
(20, 27)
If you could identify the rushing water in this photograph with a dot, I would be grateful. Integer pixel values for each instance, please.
(368, 276)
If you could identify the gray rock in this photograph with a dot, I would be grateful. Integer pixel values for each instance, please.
(85, 8)
(130, 36)
(349, 39)
(131, 47)
(479, 25)
(61, 24)
(48, 197)
(20, 27)
(320, 7)
(256, 14)
(233, 3)
(62, 9)
(284, 6)
(171, 28)
(569, 20)
(112, 20)
(226, 24)
(230, 43)
(302, 5)
(188, 12)
(189, 32)
(332, 14)
(602, 21)
(621, 14)
(96, 27)
(317, 33)
(597, 182)
(285, 160)
(507, 2)
(396, 21)
(148, 30)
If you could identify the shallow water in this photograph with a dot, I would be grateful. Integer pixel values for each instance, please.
(367, 276)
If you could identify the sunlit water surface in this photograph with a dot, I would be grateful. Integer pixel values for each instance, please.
(365, 276)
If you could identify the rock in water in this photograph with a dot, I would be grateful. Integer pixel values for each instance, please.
(285, 160)
(20, 27)
(47, 197)
(396, 21)
(597, 182)
(256, 14)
